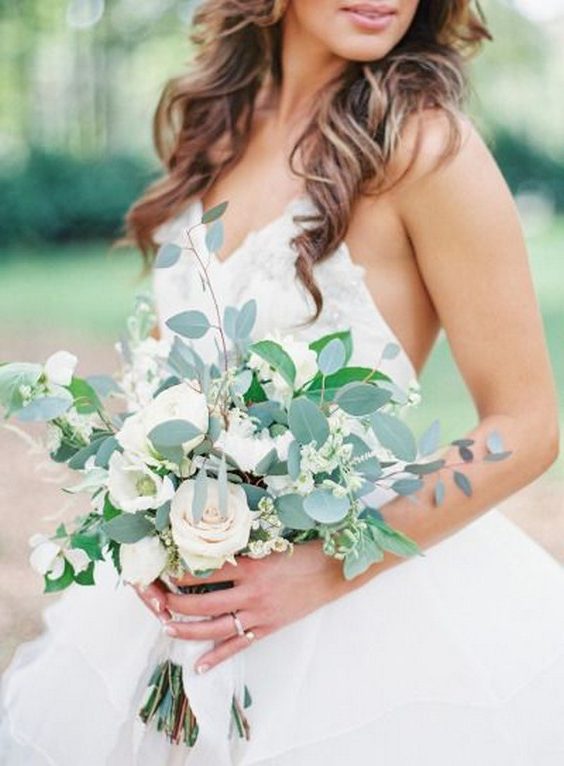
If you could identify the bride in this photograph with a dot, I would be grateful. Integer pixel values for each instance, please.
(346, 115)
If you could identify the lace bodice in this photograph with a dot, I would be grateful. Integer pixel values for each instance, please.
(263, 267)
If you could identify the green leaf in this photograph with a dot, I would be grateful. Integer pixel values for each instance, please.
(162, 516)
(307, 423)
(254, 495)
(79, 458)
(173, 433)
(107, 448)
(103, 385)
(345, 337)
(395, 435)
(294, 460)
(109, 511)
(167, 255)
(113, 549)
(222, 490)
(361, 399)
(391, 350)
(430, 439)
(263, 466)
(91, 544)
(86, 399)
(181, 359)
(407, 486)
(274, 355)
(200, 495)
(497, 456)
(128, 527)
(290, 509)
(242, 382)
(44, 408)
(366, 553)
(190, 324)
(62, 582)
(214, 212)
(86, 576)
(214, 236)
(425, 468)
(494, 442)
(246, 320)
(392, 540)
(12, 376)
(462, 482)
(323, 506)
(334, 383)
(332, 357)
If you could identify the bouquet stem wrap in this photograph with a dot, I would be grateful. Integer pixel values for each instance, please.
(199, 715)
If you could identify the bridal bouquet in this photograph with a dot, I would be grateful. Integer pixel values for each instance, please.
(274, 443)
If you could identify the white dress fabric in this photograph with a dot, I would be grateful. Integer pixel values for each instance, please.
(455, 657)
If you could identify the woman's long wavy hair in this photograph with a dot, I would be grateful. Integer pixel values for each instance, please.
(203, 119)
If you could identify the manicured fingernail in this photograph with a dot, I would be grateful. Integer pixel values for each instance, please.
(156, 604)
(170, 630)
(202, 669)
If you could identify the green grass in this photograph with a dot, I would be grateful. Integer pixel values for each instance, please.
(91, 290)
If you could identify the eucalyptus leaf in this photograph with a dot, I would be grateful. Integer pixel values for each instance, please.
(395, 435)
(103, 385)
(366, 553)
(214, 236)
(173, 433)
(274, 355)
(242, 382)
(200, 495)
(497, 456)
(214, 212)
(494, 442)
(190, 324)
(106, 450)
(128, 527)
(439, 492)
(254, 495)
(422, 469)
(430, 439)
(361, 399)
(181, 359)
(214, 429)
(463, 483)
(12, 377)
(167, 255)
(323, 506)
(162, 516)
(263, 466)
(332, 357)
(407, 486)
(44, 408)
(307, 423)
(290, 509)
(391, 350)
(246, 320)
(230, 316)
(394, 541)
(223, 490)
(344, 336)
(294, 460)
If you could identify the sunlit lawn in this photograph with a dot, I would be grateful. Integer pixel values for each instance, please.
(88, 290)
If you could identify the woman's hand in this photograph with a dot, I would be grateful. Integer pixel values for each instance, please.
(267, 594)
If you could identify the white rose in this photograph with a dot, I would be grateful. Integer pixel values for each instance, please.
(134, 487)
(48, 557)
(143, 561)
(60, 367)
(180, 402)
(214, 539)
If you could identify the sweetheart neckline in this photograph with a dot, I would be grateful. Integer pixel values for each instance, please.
(343, 247)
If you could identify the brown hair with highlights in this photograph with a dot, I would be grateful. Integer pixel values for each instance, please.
(203, 119)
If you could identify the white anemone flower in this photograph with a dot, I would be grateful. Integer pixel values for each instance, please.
(59, 368)
(134, 487)
(48, 557)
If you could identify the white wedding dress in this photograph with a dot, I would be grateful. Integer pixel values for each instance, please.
(455, 658)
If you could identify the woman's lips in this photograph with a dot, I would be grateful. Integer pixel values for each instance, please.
(369, 16)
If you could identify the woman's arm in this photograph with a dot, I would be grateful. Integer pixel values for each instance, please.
(469, 247)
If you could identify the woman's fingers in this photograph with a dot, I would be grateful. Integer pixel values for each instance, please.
(217, 629)
(154, 596)
(208, 604)
(224, 650)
